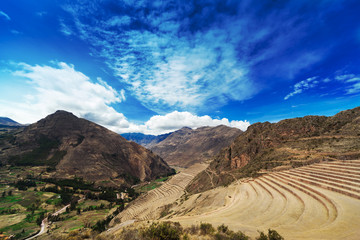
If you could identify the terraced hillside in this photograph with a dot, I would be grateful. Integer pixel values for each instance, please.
(283, 145)
(150, 205)
(320, 201)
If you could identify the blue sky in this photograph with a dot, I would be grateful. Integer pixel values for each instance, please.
(155, 66)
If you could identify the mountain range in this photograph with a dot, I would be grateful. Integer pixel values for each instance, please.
(284, 145)
(187, 146)
(70, 146)
(145, 140)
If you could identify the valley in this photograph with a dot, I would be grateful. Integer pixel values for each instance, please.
(299, 178)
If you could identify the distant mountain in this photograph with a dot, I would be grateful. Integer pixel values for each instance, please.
(188, 146)
(284, 145)
(8, 123)
(76, 147)
(145, 140)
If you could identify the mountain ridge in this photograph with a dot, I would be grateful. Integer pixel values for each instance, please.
(187, 146)
(144, 139)
(77, 147)
(283, 145)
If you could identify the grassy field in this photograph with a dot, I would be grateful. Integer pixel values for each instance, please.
(151, 185)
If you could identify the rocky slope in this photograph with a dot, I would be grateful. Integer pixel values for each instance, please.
(76, 147)
(188, 146)
(287, 144)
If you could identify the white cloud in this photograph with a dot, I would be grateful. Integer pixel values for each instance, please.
(353, 82)
(61, 87)
(5, 15)
(15, 32)
(303, 85)
(65, 29)
(175, 120)
(119, 21)
(165, 70)
(41, 14)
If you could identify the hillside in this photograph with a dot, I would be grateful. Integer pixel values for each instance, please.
(76, 147)
(284, 145)
(145, 140)
(187, 146)
(8, 122)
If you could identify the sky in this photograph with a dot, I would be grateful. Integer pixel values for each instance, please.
(156, 66)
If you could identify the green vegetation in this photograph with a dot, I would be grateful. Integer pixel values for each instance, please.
(163, 231)
(38, 156)
(206, 229)
(174, 231)
(26, 199)
(152, 185)
(272, 235)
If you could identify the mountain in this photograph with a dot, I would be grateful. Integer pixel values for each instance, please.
(188, 146)
(287, 144)
(145, 140)
(76, 147)
(8, 123)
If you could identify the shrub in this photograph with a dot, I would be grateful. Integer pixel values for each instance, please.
(274, 235)
(206, 228)
(223, 228)
(194, 229)
(163, 231)
(238, 236)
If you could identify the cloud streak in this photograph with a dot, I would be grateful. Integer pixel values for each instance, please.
(5, 15)
(302, 86)
(187, 55)
(352, 81)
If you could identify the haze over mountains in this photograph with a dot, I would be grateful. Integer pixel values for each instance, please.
(8, 124)
(144, 139)
(76, 147)
(187, 146)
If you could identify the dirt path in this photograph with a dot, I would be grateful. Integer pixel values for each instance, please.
(45, 222)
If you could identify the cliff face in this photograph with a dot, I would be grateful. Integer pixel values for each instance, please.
(187, 146)
(77, 147)
(286, 144)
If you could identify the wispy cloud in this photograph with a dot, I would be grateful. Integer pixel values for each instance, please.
(352, 81)
(186, 56)
(5, 15)
(65, 29)
(15, 32)
(302, 86)
(40, 14)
